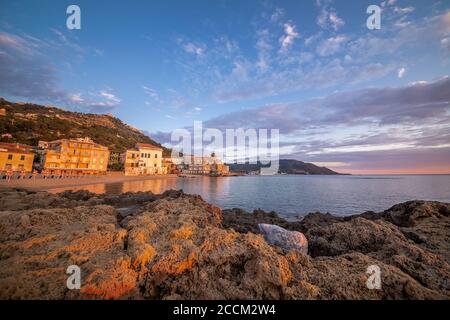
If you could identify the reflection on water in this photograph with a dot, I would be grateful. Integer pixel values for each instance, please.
(211, 188)
(295, 195)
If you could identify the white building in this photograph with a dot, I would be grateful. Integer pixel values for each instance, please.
(145, 159)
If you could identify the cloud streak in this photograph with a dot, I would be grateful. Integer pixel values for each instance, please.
(27, 72)
(328, 17)
(325, 59)
(374, 130)
(415, 102)
(355, 127)
(290, 35)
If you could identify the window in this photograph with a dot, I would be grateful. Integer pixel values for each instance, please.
(10, 156)
(156, 156)
(22, 158)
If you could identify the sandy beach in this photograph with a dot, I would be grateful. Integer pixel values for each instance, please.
(48, 184)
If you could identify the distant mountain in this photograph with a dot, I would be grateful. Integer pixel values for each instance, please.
(28, 123)
(286, 167)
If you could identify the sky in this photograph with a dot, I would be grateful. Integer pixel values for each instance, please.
(355, 100)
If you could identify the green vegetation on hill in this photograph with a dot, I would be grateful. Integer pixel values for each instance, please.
(286, 167)
(28, 123)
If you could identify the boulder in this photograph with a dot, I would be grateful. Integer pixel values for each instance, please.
(288, 240)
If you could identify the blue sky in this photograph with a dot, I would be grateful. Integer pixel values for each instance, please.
(310, 68)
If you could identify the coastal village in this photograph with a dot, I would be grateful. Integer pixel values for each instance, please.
(46, 142)
(224, 159)
(79, 157)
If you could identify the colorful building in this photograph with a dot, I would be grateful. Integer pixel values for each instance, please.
(220, 169)
(75, 157)
(145, 159)
(172, 165)
(204, 166)
(16, 157)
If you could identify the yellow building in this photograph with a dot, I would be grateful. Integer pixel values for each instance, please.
(172, 165)
(220, 169)
(145, 159)
(16, 157)
(75, 156)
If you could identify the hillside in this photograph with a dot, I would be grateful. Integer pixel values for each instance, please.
(286, 167)
(28, 123)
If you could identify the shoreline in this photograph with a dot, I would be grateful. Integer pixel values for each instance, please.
(177, 246)
(112, 178)
(48, 184)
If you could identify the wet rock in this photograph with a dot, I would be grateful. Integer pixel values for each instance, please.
(356, 235)
(318, 220)
(21, 200)
(414, 236)
(411, 213)
(127, 199)
(288, 240)
(243, 222)
(127, 211)
(80, 195)
(172, 194)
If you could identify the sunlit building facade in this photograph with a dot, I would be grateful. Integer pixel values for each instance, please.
(16, 157)
(75, 156)
(145, 159)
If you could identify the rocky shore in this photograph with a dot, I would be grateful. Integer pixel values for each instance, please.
(177, 246)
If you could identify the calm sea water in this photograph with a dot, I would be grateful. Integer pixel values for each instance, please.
(293, 196)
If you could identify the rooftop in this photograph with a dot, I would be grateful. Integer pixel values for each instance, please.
(78, 140)
(147, 146)
(15, 148)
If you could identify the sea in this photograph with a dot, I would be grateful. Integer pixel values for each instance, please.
(294, 196)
